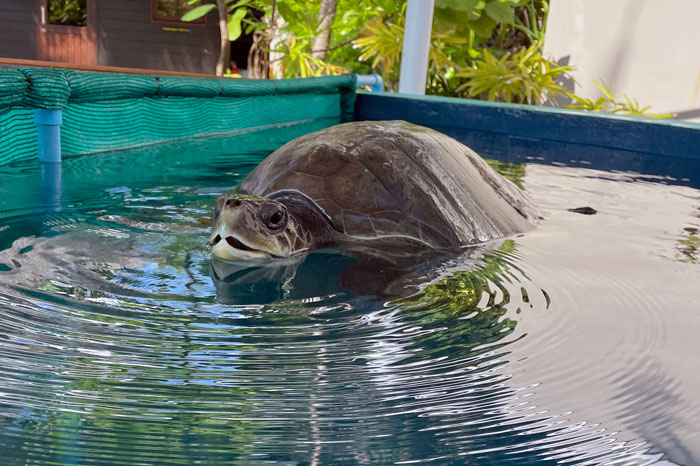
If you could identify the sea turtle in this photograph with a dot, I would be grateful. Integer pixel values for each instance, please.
(381, 185)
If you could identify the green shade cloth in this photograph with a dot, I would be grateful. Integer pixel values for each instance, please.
(111, 111)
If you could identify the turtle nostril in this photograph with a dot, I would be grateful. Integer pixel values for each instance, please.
(237, 203)
(216, 240)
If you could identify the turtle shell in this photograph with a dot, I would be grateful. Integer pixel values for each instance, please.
(394, 179)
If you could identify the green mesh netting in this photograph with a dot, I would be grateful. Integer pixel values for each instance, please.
(107, 111)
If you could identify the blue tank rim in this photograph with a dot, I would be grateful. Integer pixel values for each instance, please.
(667, 137)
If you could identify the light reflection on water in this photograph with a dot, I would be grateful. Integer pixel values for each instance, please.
(573, 343)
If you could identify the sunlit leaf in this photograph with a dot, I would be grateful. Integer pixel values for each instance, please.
(483, 27)
(459, 5)
(234, 23)
(198, 12)
(604, 89)
(500, 12)
(285, 10)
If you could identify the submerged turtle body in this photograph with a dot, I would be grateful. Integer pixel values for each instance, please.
(380, 183)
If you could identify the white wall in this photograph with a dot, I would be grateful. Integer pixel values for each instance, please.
(647, 49)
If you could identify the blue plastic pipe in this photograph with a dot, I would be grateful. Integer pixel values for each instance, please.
(48, 123)
(50, 187)
(374, 81)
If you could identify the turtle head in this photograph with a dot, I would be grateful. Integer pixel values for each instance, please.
(251, 228)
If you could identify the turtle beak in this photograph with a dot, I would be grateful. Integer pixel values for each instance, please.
(226, 245)
(229, 235)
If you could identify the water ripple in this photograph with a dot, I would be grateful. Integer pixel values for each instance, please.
(118, 347)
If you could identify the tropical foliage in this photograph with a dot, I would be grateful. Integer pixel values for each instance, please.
(520, 77)
(608, 103)
(481, 49)
(67, 12)
(237, 10)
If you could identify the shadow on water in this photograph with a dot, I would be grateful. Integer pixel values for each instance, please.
(315, 275)
(329, 272)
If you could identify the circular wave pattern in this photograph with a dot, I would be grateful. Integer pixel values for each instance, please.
(115, 349)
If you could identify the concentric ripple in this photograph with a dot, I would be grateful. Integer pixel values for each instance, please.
(121, 344)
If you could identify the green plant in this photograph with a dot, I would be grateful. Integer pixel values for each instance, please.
(367, 35)
(461, 31)
(480, 16)
(482, 49)
(520, 77)
(382, 42)
(381, 45)
(67, 12)
(231, 14)
(608, 103)
(302, 24)
(531, 20)
(237, 10)
(297, 61)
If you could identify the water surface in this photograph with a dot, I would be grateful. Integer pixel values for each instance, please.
(575, 343)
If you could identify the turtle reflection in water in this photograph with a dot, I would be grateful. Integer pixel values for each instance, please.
(390, 194)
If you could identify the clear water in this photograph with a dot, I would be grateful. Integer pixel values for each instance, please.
(576, 343)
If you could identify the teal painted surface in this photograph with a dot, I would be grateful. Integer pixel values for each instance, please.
(533, 109)
(455, 116)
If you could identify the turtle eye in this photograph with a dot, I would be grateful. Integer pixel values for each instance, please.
(276, 220)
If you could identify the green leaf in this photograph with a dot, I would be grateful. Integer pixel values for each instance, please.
(198, 12)
(500, 12)
(459, 5)
(444, 20)
(390, 6)
(234, 23)
(483, 26)
(473, 15)
(240, 13)
(285, 10)
(604, 89)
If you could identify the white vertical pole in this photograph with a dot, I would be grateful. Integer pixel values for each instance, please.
(416, 45)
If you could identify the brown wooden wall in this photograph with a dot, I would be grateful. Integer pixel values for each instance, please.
(127, 37)
(18, 22)
(69, 44)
